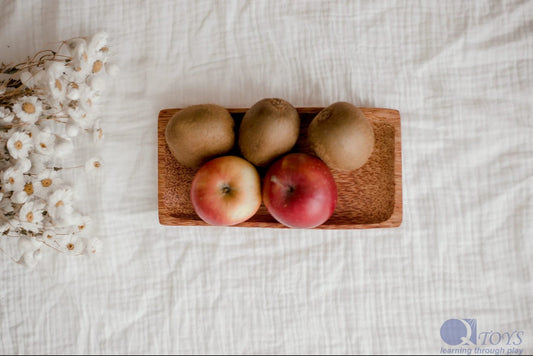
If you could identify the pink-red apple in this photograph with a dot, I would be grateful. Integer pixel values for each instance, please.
(300, 191)
(226, 191)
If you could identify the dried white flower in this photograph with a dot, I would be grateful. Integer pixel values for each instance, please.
(97, 41)
(80, 65)
(28, 109)
(74, 44)
(94, 245)
(46, 182)
(39, 119)
(93, 164)
(12, 180)
(48, 235)
(57, 88)
(87, 99)
(73, 245)
(23, 195)
(98, 132)
(19, 144)
(55, 70)
(83, 224)
(59, 206)
(43, 141)
(80, 117)
(31, 215)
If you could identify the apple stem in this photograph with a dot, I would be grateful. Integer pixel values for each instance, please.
(226, 189)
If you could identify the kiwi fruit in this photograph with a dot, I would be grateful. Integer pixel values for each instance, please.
(268, 129)
(342, 136)
(200, 132)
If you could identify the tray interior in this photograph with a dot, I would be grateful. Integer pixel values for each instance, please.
(367, 197)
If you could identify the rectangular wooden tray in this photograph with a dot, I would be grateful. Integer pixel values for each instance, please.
(369, 197)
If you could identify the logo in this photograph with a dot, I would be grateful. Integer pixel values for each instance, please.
(456, 332)
(463, 337)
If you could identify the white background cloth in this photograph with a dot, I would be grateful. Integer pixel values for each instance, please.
(461, 74)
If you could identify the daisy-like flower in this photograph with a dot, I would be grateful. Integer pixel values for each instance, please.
(82, 224)
(77, 73)
(88, 97)
(80, 117)
(28, 109)
(43, 141)
(54, 69)
(31, 216)
(59, 206)
(94, 246)
(81, 64)
(6, 116)
(23, 195)
(97, 42)
(73, 245)
(19, 144)
(57, 87)
(48, 235)
(74, 43)
(12, 180)
(93, 164)
(98, 53)
(98, 132)
(46, 182)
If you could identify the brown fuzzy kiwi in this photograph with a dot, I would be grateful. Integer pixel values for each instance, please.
(200, 132)
(268, 129)
(342, 136)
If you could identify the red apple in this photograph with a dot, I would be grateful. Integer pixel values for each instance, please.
(226, 191)
(299, 191)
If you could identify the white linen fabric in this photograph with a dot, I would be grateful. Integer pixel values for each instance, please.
(461, 75)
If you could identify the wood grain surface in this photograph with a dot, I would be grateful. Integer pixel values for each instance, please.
(369, 197)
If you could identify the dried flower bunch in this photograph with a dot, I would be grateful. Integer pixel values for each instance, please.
(47, 103)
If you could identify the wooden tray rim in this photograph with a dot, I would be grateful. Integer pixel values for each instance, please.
(395, 220)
